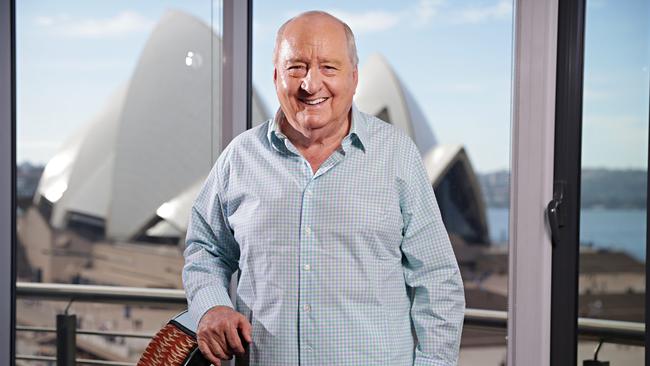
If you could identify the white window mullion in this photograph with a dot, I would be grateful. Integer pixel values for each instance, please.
(533, 121)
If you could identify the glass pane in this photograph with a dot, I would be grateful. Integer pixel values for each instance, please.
(118, 124)
(614, 170)
(441, 71)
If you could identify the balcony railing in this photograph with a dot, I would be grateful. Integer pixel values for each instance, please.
(610, 331)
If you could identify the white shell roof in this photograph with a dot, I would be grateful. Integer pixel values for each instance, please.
(161, 146)
(84, 167)
(379, 88)
(149, 144)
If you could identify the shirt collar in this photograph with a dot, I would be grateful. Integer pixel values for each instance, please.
(359, 128)
(356, 137)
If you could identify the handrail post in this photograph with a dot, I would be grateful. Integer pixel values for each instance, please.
(66, 339)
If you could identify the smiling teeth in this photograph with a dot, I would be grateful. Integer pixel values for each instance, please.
(315, 101)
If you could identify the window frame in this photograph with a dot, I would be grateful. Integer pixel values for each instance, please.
(531, 173)
(7, 180)
(237, 83)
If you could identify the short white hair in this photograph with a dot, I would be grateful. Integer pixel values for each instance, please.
(352, 46)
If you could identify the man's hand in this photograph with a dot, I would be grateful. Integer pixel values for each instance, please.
(218, 335)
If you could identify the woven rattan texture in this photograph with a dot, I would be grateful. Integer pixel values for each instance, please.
(169, 347)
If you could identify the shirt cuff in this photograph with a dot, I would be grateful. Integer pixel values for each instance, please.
(207, 298)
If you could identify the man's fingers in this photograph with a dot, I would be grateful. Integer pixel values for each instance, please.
(233, 340)
(220, 348)
(218, 332)
(207, 352)
(246, 330)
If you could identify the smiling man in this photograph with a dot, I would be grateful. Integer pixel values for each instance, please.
(328, 214)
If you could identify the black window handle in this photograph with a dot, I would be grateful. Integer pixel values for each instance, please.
(553, 213)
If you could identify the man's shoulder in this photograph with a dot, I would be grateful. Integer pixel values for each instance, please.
(251, 136)
(249, 139)
(381, 132)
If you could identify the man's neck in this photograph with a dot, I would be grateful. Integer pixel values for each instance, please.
(328, 137)
(316, 145)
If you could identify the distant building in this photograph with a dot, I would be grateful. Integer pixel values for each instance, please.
(27, 178)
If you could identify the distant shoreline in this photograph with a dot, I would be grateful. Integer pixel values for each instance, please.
(592, 207)
(605, 189)
(600, 228)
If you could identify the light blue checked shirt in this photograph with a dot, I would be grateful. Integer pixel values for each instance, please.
(348, 266)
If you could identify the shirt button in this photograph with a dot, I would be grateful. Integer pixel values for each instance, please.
(308, 230)
(306, 308)
(307, 267)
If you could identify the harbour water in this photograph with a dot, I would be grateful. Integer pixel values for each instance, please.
(614, 229)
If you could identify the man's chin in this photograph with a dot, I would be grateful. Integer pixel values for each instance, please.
(313, 121)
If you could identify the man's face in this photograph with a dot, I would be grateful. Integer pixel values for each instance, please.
(314, 76)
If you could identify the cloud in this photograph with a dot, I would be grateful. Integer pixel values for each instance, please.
(423, 13)
(381, 20)
(44, 21)
(426, 10)
(481, 14)
(369, 22)
(124, 23)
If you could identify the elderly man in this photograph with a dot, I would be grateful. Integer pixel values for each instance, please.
(328, 214)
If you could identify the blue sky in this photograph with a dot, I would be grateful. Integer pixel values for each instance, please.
(454, 56)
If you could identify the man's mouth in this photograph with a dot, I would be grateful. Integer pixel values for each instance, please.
(313, 101)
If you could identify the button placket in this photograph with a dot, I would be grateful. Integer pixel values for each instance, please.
(307, 239)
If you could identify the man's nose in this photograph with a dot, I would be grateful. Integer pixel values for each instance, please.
(312, 82)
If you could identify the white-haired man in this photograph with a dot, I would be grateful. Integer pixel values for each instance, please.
(329, 216)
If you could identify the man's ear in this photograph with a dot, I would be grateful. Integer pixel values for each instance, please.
(355, 76)
(275, 74)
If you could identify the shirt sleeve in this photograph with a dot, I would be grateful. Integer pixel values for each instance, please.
(211, 253)
(430, 270)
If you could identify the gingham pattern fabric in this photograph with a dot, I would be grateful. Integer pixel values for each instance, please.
(350, 265)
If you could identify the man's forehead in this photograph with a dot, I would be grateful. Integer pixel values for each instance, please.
(304, 47)
(314, 29)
